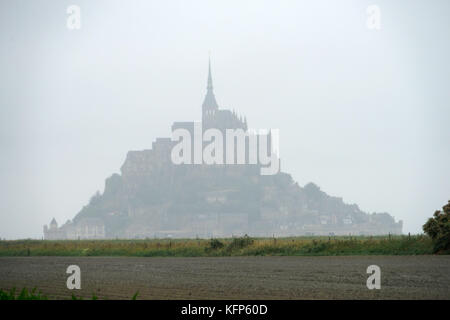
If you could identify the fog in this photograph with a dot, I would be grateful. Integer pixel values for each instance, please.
(362, 113)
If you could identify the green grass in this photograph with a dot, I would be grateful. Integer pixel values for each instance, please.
(26, 294)
(295, 246)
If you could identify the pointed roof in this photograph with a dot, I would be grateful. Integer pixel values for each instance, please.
(53, 221)
(210, 83)
(210, 100)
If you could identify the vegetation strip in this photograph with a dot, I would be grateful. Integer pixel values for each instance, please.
(33, 294)
(242, 246)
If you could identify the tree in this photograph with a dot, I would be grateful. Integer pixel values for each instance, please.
(438, 228)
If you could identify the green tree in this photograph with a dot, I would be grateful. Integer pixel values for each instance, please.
(438, 228)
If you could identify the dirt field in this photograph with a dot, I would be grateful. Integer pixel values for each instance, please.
(402, 277)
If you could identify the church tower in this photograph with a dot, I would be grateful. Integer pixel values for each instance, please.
(213, 117)
(209, 107)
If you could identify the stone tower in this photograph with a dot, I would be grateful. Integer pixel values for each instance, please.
(213, 117)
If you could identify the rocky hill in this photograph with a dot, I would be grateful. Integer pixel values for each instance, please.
(158, 199)
(153, 197)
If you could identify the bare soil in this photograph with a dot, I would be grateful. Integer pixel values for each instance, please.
(337, 277)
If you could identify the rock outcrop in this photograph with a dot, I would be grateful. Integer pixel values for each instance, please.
(153, 197)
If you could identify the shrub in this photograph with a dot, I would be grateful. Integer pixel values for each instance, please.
(240, 243)
(438, 228)
(215, 244)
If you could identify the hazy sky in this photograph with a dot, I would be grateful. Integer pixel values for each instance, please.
(362, 113)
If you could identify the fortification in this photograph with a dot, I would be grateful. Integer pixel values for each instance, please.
(153, 197)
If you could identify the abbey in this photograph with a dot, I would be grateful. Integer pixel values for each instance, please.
(154, 196)
(223, 137)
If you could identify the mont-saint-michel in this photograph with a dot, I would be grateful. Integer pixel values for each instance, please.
(155, 197)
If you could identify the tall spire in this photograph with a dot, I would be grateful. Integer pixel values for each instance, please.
(209, 104)
(210, 83)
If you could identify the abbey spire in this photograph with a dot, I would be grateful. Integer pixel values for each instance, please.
(210, 83)
(209, 104)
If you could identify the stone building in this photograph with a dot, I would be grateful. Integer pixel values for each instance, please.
(86, 228)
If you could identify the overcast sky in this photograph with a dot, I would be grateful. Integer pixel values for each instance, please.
(362, 113)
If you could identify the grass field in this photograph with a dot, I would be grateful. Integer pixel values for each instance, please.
(244, 246)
